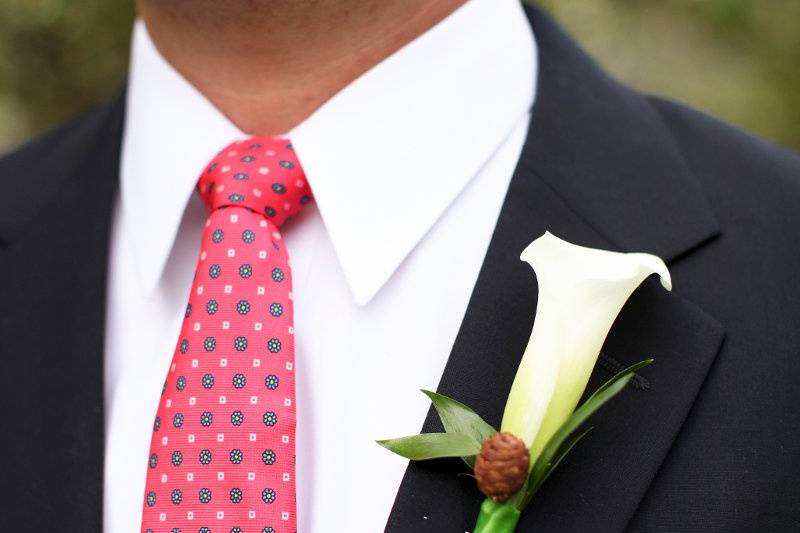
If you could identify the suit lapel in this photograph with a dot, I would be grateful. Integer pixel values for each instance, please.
(599, 169)
(55, 253)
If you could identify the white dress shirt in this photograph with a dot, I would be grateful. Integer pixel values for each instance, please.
(409, 165)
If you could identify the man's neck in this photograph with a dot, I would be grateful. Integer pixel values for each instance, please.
(269, 64)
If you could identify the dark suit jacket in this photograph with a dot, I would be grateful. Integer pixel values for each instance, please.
(709, 441)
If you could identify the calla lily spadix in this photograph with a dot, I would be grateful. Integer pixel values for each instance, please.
(581, 292)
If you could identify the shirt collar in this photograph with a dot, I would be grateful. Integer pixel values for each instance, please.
(171, 132)
(385, 157)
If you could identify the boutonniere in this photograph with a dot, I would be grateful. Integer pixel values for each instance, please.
(581, 292)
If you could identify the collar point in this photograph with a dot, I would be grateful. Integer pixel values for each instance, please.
(363, 294)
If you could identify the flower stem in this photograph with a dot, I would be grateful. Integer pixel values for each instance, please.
(497, 518)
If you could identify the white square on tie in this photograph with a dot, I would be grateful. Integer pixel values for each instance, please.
(192, 400)
(257, 193)
(291, 330)
(222, 399)
(226, 324)
(287, 402)
(203, 255)
(251, 476)
(253, 400)
(223, 362)
(220, 476)
(162, 516)
(286, 476)
(276, 235)
(231, 252)
(262, 254)
(263, 171)
(234, 219)
(172, 367)
(257, 326)
(260, 291)
(220, 515)
(221, 188)
(251, 514)
(168, 403)
(252, 437)
(190, 477)
(196, 326)
(285, 515)
(285, 439)
(220, 437)
(256, 362)
(191, 437)
(164, 441)
(194, 363)
(228, 289)
(263, 223)
(289, 365)
(163, 478)
(200, 289)
(190, 516)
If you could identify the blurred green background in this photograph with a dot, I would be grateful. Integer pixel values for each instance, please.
(736, 59)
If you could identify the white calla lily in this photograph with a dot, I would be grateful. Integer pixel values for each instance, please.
(581, 292)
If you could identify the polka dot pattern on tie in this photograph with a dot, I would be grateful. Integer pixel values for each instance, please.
(222, 454)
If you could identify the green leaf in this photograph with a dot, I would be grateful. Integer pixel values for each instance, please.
(545, 459)
(432, 446)
(458, 418)
(533, 486)
(628, 370)
(562, 452)
(563, 440)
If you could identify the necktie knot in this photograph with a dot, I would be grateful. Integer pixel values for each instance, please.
(261, 174)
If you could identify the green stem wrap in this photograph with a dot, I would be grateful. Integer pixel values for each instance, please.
(497, 518)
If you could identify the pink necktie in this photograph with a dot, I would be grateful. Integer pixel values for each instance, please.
(222, 453)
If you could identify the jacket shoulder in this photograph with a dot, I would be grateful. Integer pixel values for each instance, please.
(751, 185)
(42, 170)
(714, 148)
(54, 148)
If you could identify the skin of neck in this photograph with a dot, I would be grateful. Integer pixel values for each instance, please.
(268, 64)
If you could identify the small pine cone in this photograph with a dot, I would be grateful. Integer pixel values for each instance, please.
(501, 466)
